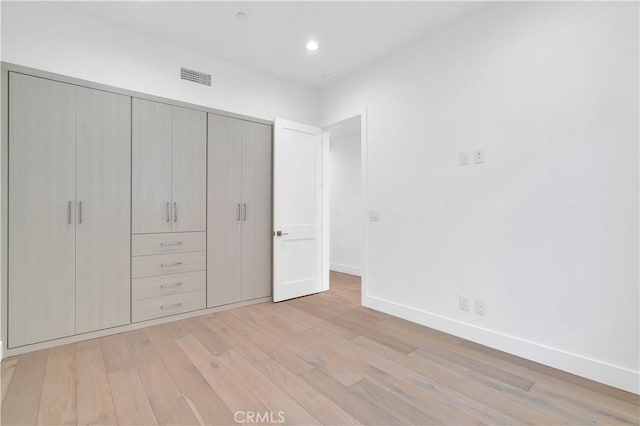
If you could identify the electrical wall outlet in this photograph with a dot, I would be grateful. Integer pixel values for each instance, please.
(464, 303)
(478, 156)
(464, 158)
(480, 307)
(374, 215)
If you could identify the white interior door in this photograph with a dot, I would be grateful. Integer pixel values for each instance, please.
(298, 267)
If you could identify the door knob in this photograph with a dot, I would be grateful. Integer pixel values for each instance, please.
(280, 233)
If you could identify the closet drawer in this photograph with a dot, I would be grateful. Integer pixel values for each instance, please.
(164, 306)
(164, 285)
(144, 244)
(162, 264)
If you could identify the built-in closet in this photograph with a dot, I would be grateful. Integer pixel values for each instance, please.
(123, 209)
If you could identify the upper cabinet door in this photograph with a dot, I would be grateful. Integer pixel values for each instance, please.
(256, 219)
(189, 170)
(151, 167)
(103, 188)
(41, 256)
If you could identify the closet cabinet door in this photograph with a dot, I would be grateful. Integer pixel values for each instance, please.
(224, 224)
(42, 133)
(189, 170)
(256, 195)
(151, 167)
(103, 182)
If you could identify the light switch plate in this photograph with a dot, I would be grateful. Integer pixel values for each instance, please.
(478, 156)
(373, 215)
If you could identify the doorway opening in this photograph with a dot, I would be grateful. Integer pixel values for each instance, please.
(346, 200)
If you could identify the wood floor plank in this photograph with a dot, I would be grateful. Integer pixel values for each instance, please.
(373, 334)
(185, 375)
(115, 352)
(233, 392)
(239, 344)
(8, 368)
(21, 405)
(289, 313)
(273, 348)
(212, 340)
(403, 411)
(319, 406)
(156, 379)
(175, 412)
(94, 401)
(478, 366)
(58, 398)
(206, 405)
(274, 398)
(359, 408)
(129, 398)
(319, 356)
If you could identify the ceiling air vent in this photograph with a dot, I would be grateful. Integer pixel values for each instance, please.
(195, 76)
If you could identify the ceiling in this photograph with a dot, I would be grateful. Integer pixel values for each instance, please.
(272, 38)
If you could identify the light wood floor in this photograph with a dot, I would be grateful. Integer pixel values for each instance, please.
(317, 359)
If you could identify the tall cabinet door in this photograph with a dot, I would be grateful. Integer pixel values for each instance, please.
(224, 204)
(42, 140)
(151, 167)
(189, 170)
(256, 196)
(103, 189)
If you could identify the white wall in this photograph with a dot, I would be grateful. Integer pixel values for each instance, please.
(546, 231)
(53, 38)
(346, 197)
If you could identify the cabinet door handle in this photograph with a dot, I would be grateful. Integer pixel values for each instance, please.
(244, 214)
(168, 212)
(238, 217)
(171, 243)
(170, 285)
(175, 211)
(69, 212)
(173, 305)
(166, 265)
(80, 212)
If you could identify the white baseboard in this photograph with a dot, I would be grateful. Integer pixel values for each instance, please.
(1, 349)
(345, 269)
(598, 371)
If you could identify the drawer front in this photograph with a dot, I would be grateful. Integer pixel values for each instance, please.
(162, 264)
(145, 244)
(164, 285)
(164, 306)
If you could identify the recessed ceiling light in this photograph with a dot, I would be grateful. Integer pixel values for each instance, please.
(328, 77)
(312, 45)
(241, 15)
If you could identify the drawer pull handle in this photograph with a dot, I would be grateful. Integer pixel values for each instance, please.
(173, 305)
(171, 243)
(170, 285)
(165, 265)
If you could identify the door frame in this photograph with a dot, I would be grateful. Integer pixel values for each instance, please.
(364, 184)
